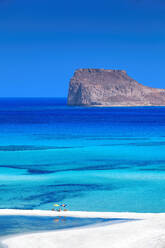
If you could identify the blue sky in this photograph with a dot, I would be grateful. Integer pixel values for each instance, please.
(42, 42)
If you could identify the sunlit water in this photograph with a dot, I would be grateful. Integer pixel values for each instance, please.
(94, 159)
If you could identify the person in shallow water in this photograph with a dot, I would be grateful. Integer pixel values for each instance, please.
(57, 205)
(64, 205)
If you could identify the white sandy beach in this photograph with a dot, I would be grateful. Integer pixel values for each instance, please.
(148, 232)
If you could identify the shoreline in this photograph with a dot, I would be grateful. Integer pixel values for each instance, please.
(79, 214)
(148, 232)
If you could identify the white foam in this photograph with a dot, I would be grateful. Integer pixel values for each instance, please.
(146, 233)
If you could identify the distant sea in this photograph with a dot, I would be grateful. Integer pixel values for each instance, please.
(93, 159)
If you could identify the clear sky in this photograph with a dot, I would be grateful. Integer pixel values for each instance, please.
(42, 42)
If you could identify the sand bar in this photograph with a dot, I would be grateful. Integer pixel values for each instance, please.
(146, 232)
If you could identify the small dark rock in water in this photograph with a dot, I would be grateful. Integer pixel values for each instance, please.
(100, 87)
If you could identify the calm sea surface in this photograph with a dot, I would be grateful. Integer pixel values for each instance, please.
(94, 159)
(11, 225)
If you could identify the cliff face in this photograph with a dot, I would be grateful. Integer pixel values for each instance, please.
(99, 87)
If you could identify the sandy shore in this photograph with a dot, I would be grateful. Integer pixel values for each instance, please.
(147, 232)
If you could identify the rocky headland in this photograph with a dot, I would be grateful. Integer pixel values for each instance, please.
(100, 87)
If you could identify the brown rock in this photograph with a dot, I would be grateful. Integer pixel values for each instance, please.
(100, 87)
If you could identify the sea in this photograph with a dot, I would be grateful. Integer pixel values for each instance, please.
(90, 158)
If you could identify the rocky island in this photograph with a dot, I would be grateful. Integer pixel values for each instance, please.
(100, 87)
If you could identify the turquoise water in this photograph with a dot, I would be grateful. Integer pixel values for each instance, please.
(94, 159)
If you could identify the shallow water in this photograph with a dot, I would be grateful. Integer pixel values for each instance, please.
(94, 159)
(12, 225)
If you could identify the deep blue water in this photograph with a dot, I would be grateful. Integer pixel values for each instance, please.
(94, 159)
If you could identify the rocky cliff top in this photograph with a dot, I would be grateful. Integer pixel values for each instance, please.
(100, 87)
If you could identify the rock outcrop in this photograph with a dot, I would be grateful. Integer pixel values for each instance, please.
(100, 87)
